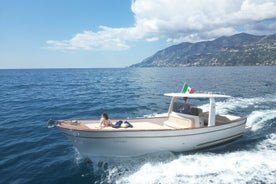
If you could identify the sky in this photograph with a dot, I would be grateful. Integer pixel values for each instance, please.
(118, 33)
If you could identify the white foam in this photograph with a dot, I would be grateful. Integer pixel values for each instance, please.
(78, 157)
(257, 119)
(237, 167)
(268, 144)
(243, 103)
(156, 115)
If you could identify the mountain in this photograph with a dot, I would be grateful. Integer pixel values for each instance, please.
(237, 50)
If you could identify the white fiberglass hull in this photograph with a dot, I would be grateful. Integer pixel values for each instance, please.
(133, 143)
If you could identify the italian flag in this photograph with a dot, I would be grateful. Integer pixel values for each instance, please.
(187, 89)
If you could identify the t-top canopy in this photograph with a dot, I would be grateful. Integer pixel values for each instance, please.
(197, 95)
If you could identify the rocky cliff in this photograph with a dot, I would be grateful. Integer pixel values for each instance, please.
(237, 50)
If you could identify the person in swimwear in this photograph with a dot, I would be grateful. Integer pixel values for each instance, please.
(104, 121)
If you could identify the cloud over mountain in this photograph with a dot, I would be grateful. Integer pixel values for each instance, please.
(177, 21)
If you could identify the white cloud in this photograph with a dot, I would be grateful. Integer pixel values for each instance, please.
(177, 21)
(152, 39)
(105, 39)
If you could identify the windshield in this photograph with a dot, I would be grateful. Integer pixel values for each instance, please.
(186, 106)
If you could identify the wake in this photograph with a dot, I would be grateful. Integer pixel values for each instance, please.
(255, 166)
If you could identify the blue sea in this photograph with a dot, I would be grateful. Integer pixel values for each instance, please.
(30, 152)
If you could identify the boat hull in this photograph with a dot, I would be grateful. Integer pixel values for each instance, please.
(134, 143)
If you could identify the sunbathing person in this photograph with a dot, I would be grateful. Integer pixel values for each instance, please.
(104, 121)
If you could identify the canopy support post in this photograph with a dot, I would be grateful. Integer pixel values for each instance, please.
(171, 105)
(212, 112)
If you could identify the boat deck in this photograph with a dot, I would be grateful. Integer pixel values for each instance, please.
(138, 124)
(155, 123)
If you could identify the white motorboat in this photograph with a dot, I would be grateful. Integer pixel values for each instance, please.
(174, 132)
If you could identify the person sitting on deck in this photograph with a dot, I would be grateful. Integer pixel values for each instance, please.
(104, 121)
(186, 107)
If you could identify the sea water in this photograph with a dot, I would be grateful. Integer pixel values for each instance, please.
(32, 153)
